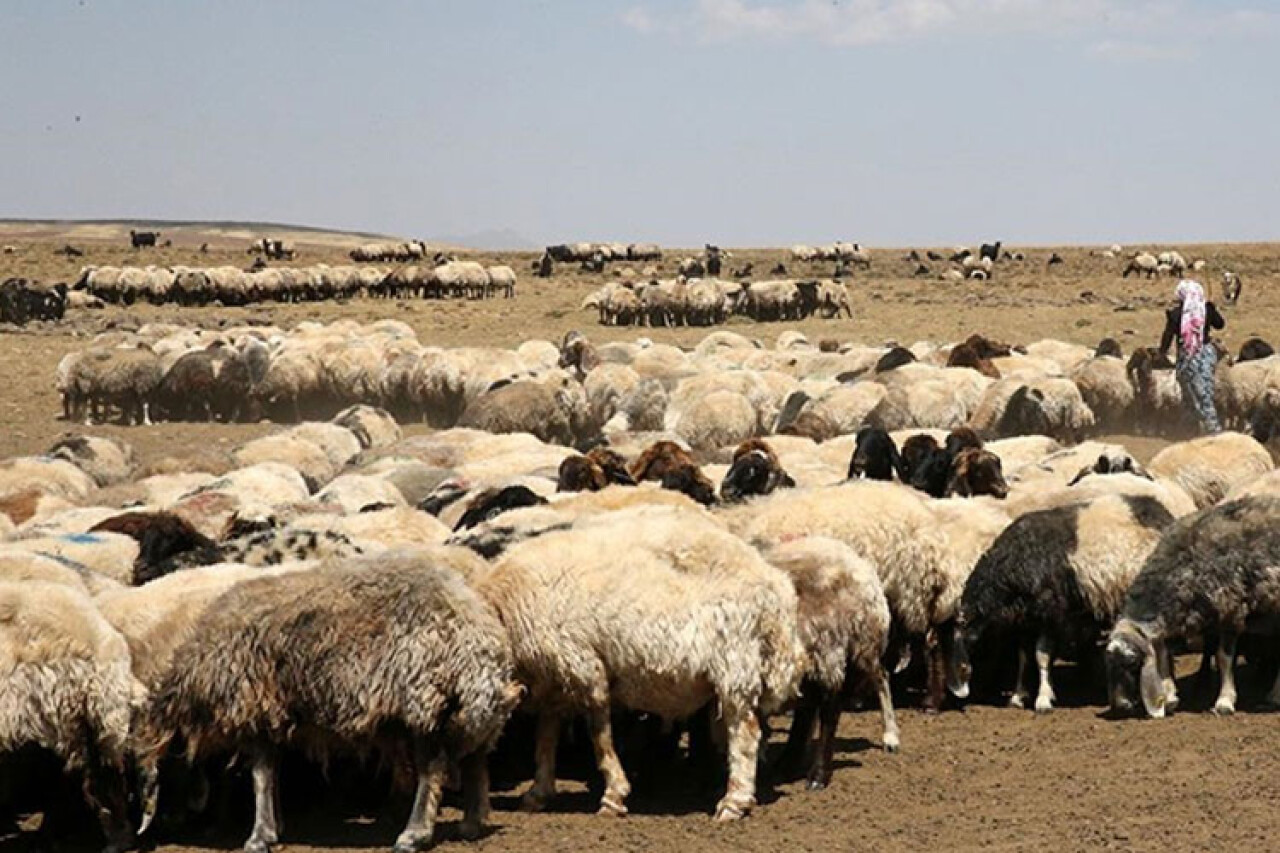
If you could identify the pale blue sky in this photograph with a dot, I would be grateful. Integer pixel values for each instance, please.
(683, 121)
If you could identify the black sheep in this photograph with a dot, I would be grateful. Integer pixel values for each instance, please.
(875, 456)
(1054, 580)
(1213, 573)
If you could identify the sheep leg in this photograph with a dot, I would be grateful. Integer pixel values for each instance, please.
(802, 720)
(744, 747)
(266, 830)
(828, 719)
(105, 792)
(885, 695)
(936, 665)
(1226, 703)
(475, 794)
(544, 776)
(1044, 662)
(1165, 662)
(432, 765)
(616, 786)
(1020, 692)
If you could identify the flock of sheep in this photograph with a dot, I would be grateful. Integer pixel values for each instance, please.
(711, 301)
(194, 286)
(287, 594)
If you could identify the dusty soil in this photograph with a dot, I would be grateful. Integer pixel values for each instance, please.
(988, 778)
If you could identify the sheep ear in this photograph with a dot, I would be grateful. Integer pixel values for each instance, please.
(1152, 686)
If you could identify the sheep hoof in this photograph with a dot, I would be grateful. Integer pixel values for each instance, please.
(1044, 706)
(892, 746)
(816, 784)
(612, 808)
(1224, 708)
(412, 842)
(1017, 700)
(533, 801)
(257, 845)
(726, 812)
(470, 830)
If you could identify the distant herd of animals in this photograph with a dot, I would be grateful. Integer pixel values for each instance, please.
(704, 290)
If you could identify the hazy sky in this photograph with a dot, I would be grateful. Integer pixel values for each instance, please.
(682, 121)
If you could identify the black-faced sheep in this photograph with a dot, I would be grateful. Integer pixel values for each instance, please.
(875, 457)
(306, 657)
(161, 536)
(1054, 580)
(756, 470)
(1213, 574)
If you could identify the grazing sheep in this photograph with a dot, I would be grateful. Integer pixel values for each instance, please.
(1142, 263)
(1213, 574)
(1055, 580)
(843, 622)
(1210, 467)
(68, 689)
(554, 411)
(304, 657)
(886, 523)
(591, 632)
(122, 378)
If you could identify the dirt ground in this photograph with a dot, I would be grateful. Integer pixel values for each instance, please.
(987, 778)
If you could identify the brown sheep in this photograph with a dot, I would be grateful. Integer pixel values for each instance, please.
(395, 651)
(977, 472)
(160, 537)
(580, 474)
(970, 355)
(613, 464)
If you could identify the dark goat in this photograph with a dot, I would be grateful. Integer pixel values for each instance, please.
(990, 250)
(875, 456)
(756, 470)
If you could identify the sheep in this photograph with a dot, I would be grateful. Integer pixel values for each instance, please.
(502, 278)
(304, 456)
(1212, 574)
(555, 412)
(1210, 467)
(590, 632)
(875, 457)
(109, 461)
(309, 651)
(123, 378)
(1232, 287)
(755, 470)
(888, 525)
(1105, 388)
(68, 689)
(111, 555)
(1055, 580)
(1242, 386)
(671, 465)
(843, 623)
(161, 536)
(721, 418)
(1051, 406)
(353, 493)
(1142, 263)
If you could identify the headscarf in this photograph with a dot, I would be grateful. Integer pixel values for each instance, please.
(1191, 335)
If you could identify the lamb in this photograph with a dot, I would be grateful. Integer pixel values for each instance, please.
(68, 689)
(590, 632)
(1213, 573)
(843, 622)
(304, 656)
(1210, 467)
(1055, 580)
